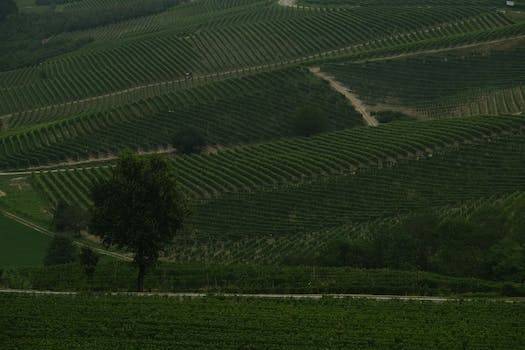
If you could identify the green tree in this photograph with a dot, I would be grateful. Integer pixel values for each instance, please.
(7, 7)
(69, 218)
(309, 121)
(139, 208)
(188, 141)
(88, 261)
(60, 251)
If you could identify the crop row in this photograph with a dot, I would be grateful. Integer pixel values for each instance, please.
(120, 322)
(438, 85)
(283, 37)
(272, 165)
(442, 180)
(249, 109)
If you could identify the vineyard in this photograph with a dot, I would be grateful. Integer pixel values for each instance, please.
(75, 322)
(262, 202)
(265, 102)
(460, 83)
(323, 146)
(281, 35)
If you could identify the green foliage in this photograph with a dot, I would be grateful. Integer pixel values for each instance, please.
(69, 218)
(121, 322)
(188, 141)
(309, 121)
(139, 208)
(481, 245)
(303, 278)
(60, 251)
(88, 261)
(7, 7)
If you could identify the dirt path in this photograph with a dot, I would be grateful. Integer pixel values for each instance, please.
(444, 49)
(287, 3)
(378, 297)
(46, 232)
(31, 170)
(343, 90)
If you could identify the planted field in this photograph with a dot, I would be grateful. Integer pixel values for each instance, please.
(20, 245)
(233, 111)
(282, 35)
(158, 323)
(456, 83)
(262, 202)
(280, 165)
(167, 277)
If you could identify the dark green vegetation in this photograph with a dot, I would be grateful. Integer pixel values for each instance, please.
(19, 245)
(8, 8)
(139, 208)
(276, 164)
(60, 251)
(159, 323)
(169, 277)
(486, 242)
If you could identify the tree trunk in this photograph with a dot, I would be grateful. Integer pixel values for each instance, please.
(140, 279)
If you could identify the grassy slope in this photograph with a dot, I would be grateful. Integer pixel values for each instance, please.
(103, 322)
(19, 245)
(23, 199)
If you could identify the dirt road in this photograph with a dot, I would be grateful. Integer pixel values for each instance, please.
(378, 297)
(343, 90)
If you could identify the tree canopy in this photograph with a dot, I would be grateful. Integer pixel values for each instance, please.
(69, 218)
(7, 7)
(139, 208)
(61, 251)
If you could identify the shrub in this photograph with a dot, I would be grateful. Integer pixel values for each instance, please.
(69, 218)
(61, 251)
(88, 261)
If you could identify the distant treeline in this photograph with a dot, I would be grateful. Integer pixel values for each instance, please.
(487, 243)
(24, 36)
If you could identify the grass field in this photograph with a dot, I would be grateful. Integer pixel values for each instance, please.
(103, 322)
(20, 245)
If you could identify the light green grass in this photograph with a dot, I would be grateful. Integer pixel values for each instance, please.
(18, 196)
(20, 245)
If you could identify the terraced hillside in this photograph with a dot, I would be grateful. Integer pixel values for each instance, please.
(278, 35)
(296, 190)
(232, 111)
(132, 74)
(454, 83)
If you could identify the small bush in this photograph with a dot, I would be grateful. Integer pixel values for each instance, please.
(61, 251)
